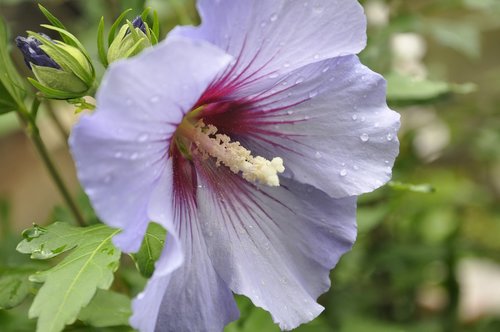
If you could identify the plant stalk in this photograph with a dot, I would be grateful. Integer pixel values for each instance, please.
(32, 131)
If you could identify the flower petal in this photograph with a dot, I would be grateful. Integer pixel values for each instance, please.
(274, 245)
(331, 125)
(196, 298)
(192, 298)
(185, 293)
(121, 149)
(270, 37)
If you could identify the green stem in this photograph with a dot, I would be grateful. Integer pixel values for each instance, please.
(32, 131)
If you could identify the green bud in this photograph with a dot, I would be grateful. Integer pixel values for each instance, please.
(71, 77)
(132, 38)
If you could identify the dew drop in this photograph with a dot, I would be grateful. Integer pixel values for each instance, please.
(364, 137)
(274, 75)
(354, 117)
(289, 112)
(343, 172)
(318, 9)
(299, 80)
(313, 94)
(143, 138)
(263, 24)
(107, 179)
(390, 137)
(318, 155)
(363, 119)
(316, 56)
(327, 68)
(134, 156)
(376, 125)
(273, 17)
(286, 64)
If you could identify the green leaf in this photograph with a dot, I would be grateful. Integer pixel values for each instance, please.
(402, 88)
(14, 286)
(106, 309)
(416, 188)
(52, 19)
(100, 43)
(71, 284)
(112, 31)
(12, 89)
(70, 36)
(150, 250)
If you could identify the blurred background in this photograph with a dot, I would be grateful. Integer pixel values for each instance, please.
(428, 251)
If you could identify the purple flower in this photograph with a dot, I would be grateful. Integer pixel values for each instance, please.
(248, 138)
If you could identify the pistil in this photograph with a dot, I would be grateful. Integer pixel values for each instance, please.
(233, 155)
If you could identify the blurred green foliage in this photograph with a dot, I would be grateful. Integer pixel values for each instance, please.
(410, 240)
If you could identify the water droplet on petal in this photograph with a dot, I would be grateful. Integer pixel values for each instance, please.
(274, 75)
(299, 80)
(364, 137)
(143, 138)
(134, 156)
(289, 112)
(107, 179)
(354, 117)
(327, 68)
(390, 137)
(316, 56)
(343, 172)
(286, 64)
(273, 17)
(313, 94)
(318, 155)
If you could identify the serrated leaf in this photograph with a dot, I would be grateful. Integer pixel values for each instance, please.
(107, 309)
(150, 250)
(14, 286)
(71, 284)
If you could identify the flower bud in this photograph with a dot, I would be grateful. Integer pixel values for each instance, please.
(131, 40)
(62, 71)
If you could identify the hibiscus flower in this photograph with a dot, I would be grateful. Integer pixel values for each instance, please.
(248, 138)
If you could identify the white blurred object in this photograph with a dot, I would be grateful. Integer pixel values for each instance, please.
(431, 140)
(408, 51)
(432, 135)
(377, 13)
(479, 289)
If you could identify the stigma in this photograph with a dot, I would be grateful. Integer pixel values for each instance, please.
(208, 143)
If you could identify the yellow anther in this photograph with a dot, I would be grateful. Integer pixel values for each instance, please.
(233, 155)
